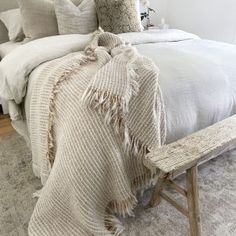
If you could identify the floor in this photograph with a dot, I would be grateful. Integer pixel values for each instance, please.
(17, 183)
(5, 125)
(217, 182)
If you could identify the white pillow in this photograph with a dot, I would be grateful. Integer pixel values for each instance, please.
(39, 19)
(13, 22)
(72, 19)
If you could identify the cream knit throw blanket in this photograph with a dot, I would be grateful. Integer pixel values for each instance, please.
(94, 115)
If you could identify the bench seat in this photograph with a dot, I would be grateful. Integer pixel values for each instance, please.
(185, 155)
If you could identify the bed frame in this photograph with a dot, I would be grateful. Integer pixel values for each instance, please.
(4, 6)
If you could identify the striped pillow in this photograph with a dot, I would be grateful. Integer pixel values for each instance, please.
(73, 19)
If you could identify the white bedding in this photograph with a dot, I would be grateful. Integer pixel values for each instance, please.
(30, 55)
(6, 48)
(198, 81)
(198, 77)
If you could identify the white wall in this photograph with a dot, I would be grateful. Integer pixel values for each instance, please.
(210, 19)
(160, 7)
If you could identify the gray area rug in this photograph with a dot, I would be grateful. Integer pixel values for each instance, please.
(217, 197)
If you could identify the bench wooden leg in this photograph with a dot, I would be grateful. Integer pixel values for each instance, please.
(193, 202)
(156, 196)
(191, 193)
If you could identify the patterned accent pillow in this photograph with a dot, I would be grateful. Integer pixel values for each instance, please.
(118, 16)
(72, 19)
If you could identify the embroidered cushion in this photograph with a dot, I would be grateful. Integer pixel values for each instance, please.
(118, 16)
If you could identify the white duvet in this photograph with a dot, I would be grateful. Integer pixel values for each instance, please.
(197, 77)
(16, 67)
(198, 81)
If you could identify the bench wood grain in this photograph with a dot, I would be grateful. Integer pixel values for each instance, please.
(185, 155)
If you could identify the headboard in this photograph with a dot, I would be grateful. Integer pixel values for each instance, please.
(4, 6)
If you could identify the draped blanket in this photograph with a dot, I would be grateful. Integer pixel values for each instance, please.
(93, 117)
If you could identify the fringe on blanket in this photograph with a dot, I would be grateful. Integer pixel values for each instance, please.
(114, 107)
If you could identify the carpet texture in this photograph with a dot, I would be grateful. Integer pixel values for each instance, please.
(217, 181)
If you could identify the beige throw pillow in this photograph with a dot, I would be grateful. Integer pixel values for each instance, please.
(39, 18)
(118, 16)
(12, 21)
(72, 19)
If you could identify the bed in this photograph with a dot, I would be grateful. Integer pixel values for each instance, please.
(187, 84)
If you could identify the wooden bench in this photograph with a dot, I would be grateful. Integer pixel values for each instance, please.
(184, 156)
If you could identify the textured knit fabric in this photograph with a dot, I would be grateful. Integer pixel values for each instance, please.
(74, 19)
(93, 117)
(39, 18)
(118, 16)
(13, 23)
